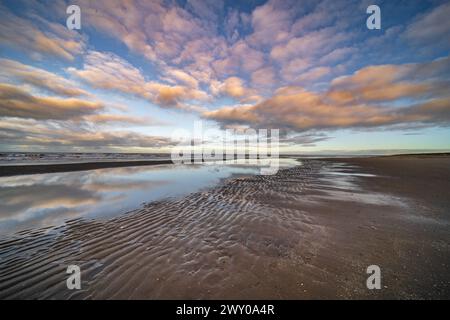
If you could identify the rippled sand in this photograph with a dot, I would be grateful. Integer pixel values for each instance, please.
(307, 232)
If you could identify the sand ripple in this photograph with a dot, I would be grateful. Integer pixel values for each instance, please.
(252, 237)
(190, 247)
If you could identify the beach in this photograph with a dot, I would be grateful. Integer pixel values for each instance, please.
(308, 232)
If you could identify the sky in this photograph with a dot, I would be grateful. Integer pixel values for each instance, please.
(137, 71)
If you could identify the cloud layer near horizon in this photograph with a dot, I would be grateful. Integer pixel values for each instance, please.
(375, 96)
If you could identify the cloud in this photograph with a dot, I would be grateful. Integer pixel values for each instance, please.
(431, 29)
(314, 74)
(181, 76)
(108, 71)
(314, 43)
(337, 55)
(38, 37)
(230, 115)
(152, 28)
(20, 132)
(270, 19)
(235, 87)
(264, 77)
(193, 44)
(317, 19)
(17, 102)
(39, 78)
(306, 139)
(416, 93)
(127, 21)
(294, 67)
(208, 10)
(303, 111)
(19, 99)
(105, 118)
(240, 56)
(392, 82)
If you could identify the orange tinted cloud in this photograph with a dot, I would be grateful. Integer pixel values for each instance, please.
(105, 118)
(391, 82)
(17, 102)
(16, 131)
(110, 72)
(13, 70)
(353, 101)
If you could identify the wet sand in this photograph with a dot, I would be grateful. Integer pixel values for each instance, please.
(308, 232)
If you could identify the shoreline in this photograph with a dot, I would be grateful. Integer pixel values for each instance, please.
(14, 170)
(25, 169)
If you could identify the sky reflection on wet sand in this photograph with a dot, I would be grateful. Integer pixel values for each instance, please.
(44, 200)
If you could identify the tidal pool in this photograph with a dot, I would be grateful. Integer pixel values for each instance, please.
(47, 200)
